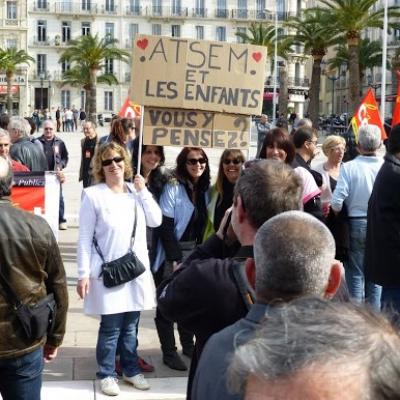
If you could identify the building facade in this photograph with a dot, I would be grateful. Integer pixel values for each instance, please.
(52, 25)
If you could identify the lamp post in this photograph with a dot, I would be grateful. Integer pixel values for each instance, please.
(49, 91)
(333, 78)
(371, 83)
(42, 75)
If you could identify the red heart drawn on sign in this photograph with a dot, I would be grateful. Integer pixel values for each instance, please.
(142, 43)
(257, 56)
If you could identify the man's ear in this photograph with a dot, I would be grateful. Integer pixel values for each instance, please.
(335, 279)
(240, 209)
(250, 267)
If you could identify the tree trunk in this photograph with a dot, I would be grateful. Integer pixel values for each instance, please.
(354, 75)
(313, 106)
(9, 77)
(92, 96)
(283, 91)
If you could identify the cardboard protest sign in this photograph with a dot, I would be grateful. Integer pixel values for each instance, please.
(198, 75)
(172, 127)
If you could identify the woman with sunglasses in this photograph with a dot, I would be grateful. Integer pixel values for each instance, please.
(230, 167)
(184, 206)
(108, 212)
(278, 146)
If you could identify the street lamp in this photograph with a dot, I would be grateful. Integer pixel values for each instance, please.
(42, 76)
(333, 78)
(49, 91)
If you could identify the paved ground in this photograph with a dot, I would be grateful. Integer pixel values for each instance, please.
(72, 374)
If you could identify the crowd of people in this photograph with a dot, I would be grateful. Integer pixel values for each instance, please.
(265, 269)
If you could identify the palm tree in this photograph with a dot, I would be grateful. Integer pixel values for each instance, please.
(79, 76)
(310, 33)
(349, 18)
(263, 34)
(89, 54)
(10, 59)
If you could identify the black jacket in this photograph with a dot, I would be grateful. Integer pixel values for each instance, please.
(59, 154)
(203, 296)
(29, 154)
(382, 255)
(300, 162)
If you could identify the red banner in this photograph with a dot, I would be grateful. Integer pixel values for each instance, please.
(130, 110)
(14, 89)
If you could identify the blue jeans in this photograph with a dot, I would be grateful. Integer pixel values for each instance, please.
(122, 326)
(61, 209)
(21, 377)
(359, 289)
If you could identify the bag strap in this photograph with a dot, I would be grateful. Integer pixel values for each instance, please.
(96, 244)
(13, 298)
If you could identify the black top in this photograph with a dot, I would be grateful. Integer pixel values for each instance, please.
(224, 203)
(88, 149)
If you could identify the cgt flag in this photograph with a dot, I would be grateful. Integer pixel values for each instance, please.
(129, 109)
(396, 111)
(367, 113)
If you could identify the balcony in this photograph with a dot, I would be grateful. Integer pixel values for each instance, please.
(39, 6)
(221, 13)
(134, 10)
(292, 82)
(109, 10)
(199, 13)
(65, 8)
(40, 42)
(167, 12)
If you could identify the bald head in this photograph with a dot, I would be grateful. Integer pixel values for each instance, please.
(294, 254)
(5, 178)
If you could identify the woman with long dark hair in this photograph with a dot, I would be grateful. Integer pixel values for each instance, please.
(184, 206)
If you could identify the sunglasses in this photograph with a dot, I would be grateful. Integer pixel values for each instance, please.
(234, 161)
(194, 161)
(109, 161)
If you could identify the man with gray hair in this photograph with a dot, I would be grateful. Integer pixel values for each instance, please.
(316, 349)
(354, 187)
(293, 257)
(23, 149)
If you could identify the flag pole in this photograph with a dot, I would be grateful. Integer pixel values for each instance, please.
(139, 160)
(384, 56)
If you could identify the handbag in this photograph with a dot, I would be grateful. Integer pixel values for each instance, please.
(123, 269)
(36, 320)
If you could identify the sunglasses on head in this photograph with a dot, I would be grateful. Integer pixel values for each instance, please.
(109, 161)
(235, 161)
(194, 161)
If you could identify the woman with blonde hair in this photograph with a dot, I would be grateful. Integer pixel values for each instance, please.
(113, 219)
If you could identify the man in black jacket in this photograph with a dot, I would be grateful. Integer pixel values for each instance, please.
(382, 255)
(208, 292)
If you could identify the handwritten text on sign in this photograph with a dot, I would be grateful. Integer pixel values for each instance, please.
(171, 127)
(192, 74)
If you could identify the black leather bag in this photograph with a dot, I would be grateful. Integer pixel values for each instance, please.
(36, 320)
(123, 269)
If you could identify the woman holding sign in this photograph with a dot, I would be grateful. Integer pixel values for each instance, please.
(184, 206)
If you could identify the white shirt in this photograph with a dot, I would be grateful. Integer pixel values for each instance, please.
(110, 216)
(354, 185)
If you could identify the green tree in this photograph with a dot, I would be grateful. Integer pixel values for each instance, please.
(309, 32)
(10, 59)
(263, 34)
(88, 54)
(348, 19)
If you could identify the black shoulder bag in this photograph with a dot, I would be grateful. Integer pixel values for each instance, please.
(123, 269)
(36, 320)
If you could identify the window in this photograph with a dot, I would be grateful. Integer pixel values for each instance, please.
(86, 5)
(109, 66)
(222, 12)
(175, 30)
(242, 8)
(65, 99)
(85, 28)
(42, 4)
(109, 30)
(11, 43)
(176, 7)
(199, 8)
(156, 29)
(260, 7)
(66, 32)
(110, 6)
(221, 33)
(281, 9)
(11, 10)
(240, 30)
(199, 32)
(83, 99)
(133, 30)
(134, 7)
(65, 66)
(108, 101)
(396, 33)
(156, 7)
(41, 31)
(41, 63)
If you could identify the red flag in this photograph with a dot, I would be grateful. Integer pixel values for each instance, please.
(129, 109)
(396, 111)
(367, 113)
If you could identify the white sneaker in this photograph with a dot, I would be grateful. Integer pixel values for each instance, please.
(138, 381)
(109, 386)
